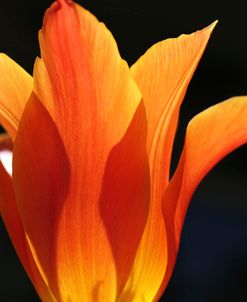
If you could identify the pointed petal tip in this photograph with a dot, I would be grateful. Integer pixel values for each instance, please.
(211, 27)
(207, 31)
(56, 6)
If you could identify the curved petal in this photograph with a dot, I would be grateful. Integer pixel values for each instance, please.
(37, 155)
(12, 221)
(88, 91)
(162, 74)
(210, 136)
(15, 88)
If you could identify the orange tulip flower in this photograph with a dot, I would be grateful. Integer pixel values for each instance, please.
(89, 207)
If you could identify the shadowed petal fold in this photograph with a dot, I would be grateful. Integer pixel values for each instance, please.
(162, 75)
(11, 217)
(15, 89)
(40, 180)
(91, 233)
(210, 136)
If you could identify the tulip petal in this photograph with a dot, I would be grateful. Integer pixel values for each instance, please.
(95, 104)
(34, 186)
(210, 136)
(15, 89)
(162, 75)
(12, 221)
(89, 74)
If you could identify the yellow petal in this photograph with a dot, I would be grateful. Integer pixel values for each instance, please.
(15, 89)
(210, 136)
(162, 74)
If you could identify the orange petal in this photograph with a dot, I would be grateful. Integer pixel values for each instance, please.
(91, 234)
(162, 74)
(37, 153)
(15, 89)
(73, 61)
(12, 221)
(210, 136)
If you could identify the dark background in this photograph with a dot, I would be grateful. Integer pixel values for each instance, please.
(211, 264)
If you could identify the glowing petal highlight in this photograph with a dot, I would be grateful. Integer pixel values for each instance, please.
(15, 89)
(6, 159)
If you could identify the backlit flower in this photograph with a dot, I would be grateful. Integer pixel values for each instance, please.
(89, 207)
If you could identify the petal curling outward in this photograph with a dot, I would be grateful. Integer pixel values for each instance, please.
(86, 238)
(162, 75)
(15, 88)
(210, 136)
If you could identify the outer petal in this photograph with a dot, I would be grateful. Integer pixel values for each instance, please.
(12, 221)
(211, 135)
(36, 155)
(162, 74)
(90, 234)
(15, 89)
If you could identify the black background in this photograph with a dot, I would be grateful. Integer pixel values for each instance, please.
(212, 263)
